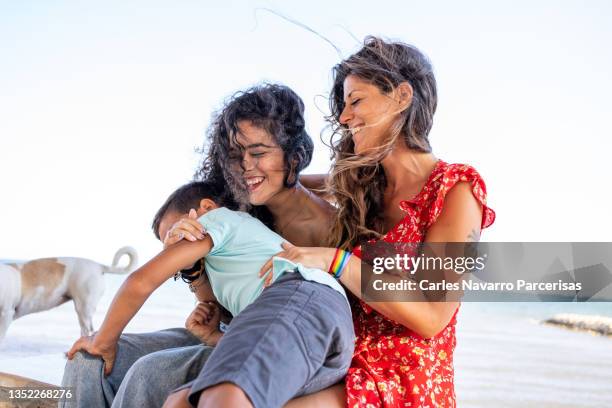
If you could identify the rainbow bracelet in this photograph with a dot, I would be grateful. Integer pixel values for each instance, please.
(340, 260)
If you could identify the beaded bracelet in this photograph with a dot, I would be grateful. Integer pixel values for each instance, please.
(340, 260)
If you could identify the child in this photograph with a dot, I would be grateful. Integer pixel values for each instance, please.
(293, 338)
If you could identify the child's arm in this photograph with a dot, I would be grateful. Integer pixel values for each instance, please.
(144, 281)
(135, 291)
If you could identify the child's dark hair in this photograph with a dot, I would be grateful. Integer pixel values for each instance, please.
(189, 196)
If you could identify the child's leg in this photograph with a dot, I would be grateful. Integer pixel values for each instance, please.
(328, 326)
(281, 343)
(330, 397)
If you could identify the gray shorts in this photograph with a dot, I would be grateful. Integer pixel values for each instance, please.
(296, 338)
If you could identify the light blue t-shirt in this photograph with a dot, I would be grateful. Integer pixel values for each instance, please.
(241, 246)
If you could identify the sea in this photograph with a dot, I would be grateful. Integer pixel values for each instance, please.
(505, 356)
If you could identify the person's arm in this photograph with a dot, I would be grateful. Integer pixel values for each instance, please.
(460, 221)
(134, 291)
(144, 281)
(317, 184)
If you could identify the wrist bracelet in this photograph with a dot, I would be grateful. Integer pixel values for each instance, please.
(340, 260)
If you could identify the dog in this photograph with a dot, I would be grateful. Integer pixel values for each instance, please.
(45, 283)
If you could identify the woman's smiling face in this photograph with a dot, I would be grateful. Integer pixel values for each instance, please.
(368, 113)
(260, 162)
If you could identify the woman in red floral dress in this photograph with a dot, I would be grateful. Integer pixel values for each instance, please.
(389, 186)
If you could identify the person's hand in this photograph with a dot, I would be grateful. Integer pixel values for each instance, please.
(178, 399)
(203, 322)
(186, 228)
(94, 346)
(310, 257)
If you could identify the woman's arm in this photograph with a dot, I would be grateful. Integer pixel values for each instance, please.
(313, 181)
(317, 184)
(459, 221)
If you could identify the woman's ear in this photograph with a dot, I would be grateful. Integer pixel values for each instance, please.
(404, 94)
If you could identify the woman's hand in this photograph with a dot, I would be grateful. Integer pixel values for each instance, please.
(94, 346)
(203, 323)
(310, 257)
(186, 228)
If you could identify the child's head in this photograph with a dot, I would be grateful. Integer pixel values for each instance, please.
(202, 196)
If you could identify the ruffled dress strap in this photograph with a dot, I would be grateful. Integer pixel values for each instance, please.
(447, 179)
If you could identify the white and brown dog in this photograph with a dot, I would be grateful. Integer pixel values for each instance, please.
(45, 283)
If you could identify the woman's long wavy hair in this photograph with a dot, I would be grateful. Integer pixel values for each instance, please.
(279, 111)
(357, 182)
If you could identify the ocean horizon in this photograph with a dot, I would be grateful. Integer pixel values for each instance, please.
(505, 356)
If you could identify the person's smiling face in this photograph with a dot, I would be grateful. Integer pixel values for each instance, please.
(260, 160)
(368, 113)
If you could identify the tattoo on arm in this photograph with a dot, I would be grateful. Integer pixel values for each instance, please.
(474, 236)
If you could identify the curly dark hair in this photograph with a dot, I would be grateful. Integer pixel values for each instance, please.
(276, 109)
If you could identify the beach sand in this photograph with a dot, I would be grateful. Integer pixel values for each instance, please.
(504, 358)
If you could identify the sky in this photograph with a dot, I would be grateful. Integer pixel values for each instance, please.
(102, 105)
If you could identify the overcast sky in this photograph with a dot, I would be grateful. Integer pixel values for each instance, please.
(102, 105)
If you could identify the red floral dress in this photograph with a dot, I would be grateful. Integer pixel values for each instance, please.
(392, 365)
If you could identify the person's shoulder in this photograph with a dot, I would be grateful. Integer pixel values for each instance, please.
(449, 169)
(225, 225)
(457, 183)
(446, 175)
(220, 217)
